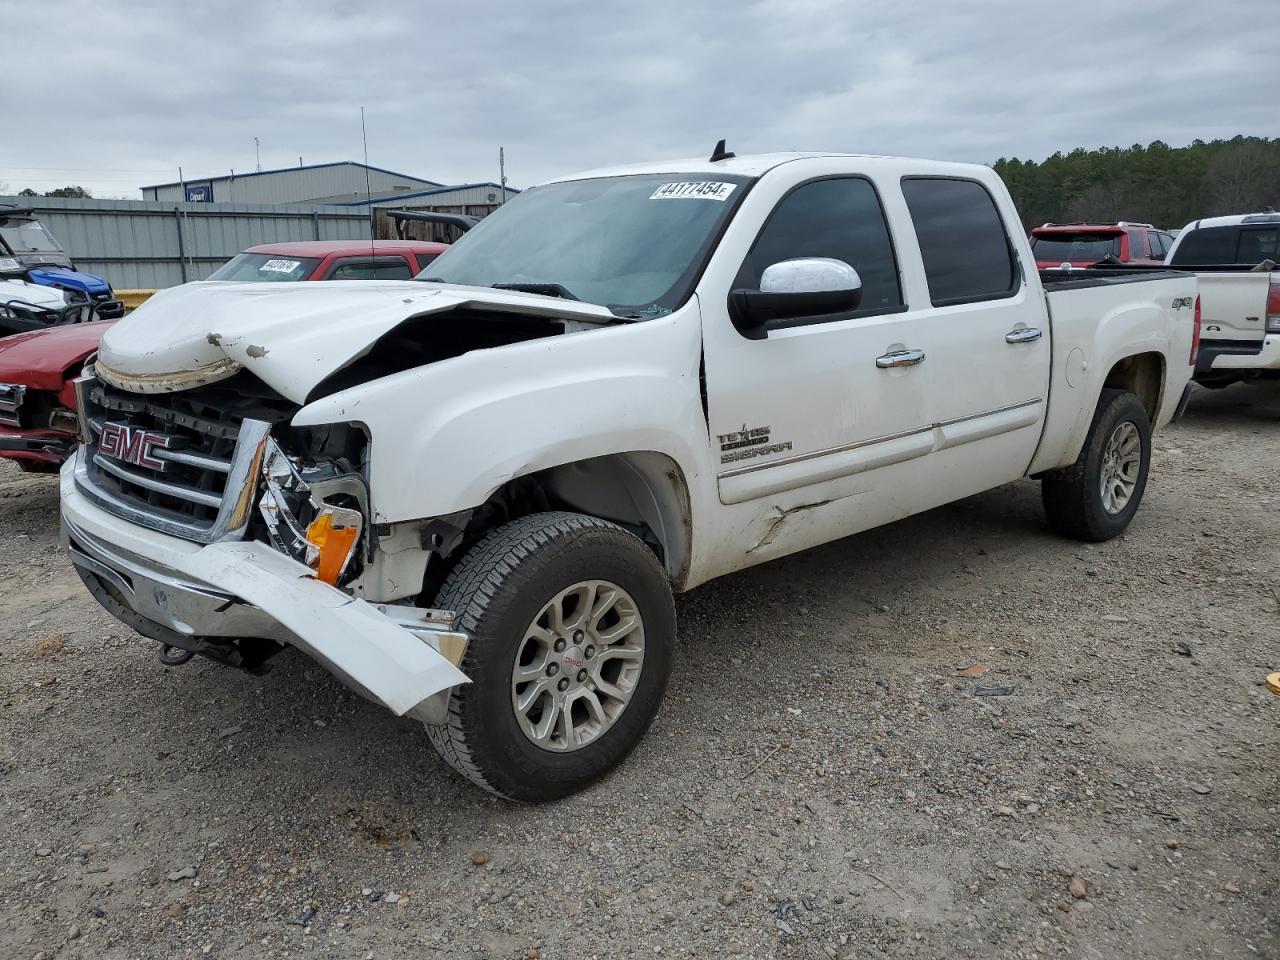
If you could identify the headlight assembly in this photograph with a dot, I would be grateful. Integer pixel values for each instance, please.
(314, 513)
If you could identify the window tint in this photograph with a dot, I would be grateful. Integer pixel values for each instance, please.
(839, 218)
(1059, 246)
(1207, 246)
(1137, 245)
(962, 240)
(1153, 241)
(396, 269)
(1258, 244)
(425, 258)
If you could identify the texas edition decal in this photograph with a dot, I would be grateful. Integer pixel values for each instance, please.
(747, 443)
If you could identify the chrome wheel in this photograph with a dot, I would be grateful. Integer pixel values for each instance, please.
(577, 665)
(1121, 464)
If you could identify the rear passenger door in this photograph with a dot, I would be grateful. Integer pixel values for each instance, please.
(989, 356)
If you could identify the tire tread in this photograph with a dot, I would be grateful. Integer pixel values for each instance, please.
(471, 588)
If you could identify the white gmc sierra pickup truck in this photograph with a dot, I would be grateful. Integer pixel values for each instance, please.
(472, 496)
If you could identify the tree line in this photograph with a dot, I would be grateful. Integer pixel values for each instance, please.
(1167, 186)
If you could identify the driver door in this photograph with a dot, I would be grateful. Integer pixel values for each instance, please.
(814, 409)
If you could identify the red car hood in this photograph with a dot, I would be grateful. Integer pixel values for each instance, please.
(41, 358)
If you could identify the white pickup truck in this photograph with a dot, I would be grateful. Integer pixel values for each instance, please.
(472, 496)
(1235, 259)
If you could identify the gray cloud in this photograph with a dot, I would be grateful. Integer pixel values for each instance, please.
(120, 94)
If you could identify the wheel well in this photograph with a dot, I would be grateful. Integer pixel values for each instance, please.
(643, 492)
(1142, 375)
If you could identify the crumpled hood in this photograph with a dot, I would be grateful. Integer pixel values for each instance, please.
(289, 335)
(40, 359)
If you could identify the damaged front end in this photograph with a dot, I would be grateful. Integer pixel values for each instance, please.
(230, 536)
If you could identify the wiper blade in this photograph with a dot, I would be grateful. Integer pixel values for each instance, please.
(546, 289)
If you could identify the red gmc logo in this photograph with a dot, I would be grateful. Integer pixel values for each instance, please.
(133, 445)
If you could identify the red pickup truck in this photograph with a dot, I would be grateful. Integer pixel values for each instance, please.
(37, 409)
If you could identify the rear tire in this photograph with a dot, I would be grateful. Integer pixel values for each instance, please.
(1096, 497)
(584, 610)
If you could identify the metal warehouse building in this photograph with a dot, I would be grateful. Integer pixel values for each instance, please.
(339, 182)
(472, 199)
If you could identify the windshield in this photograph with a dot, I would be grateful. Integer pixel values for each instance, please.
(27, 236)
(633, 244)
(1090, 247)
(265, 268)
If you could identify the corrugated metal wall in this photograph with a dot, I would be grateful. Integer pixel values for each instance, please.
(152, 244)
(312, 184)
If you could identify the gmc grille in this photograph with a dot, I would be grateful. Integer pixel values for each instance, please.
(188, 462)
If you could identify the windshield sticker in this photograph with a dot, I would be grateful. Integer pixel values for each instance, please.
(696, 189)
(280, 266)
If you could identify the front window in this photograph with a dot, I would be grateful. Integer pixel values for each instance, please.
(636, 245)
(1061, 247)
(27, 236)
(265, 268)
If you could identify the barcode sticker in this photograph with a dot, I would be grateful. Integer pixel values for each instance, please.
(280, 266)
(694, 189)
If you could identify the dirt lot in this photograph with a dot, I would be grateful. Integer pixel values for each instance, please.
(822, 780)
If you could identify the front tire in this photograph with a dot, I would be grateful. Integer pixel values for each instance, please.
(572, 628)
(1096, 497)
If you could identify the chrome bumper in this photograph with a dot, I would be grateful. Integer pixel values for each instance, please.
(402, 657)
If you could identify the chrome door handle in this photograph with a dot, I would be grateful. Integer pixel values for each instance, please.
(900, 358)
(1024, 335)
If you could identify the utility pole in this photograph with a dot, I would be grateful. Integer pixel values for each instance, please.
(257, 154)
(502, 174)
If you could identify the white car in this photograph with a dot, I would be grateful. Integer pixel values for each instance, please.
(1235, 259)
(472, 496)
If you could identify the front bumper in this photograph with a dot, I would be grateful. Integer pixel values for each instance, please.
(45, 446)
(397, 656)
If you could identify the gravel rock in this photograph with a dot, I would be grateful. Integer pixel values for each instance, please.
(893, 771)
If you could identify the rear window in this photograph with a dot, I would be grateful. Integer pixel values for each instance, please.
(1233, 244)
(1060, 247)
(265, 268)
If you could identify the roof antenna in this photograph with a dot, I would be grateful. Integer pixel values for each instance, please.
(720, 153)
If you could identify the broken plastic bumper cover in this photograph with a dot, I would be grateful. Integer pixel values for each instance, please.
(174, 589)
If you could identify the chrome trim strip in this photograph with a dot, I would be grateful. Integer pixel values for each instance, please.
(192, 460)
(147, 483)
(844, 448)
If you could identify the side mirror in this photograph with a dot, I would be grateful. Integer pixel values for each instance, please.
(792, 289)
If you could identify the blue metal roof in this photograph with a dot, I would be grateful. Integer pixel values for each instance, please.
(309, 166)
(425, 193)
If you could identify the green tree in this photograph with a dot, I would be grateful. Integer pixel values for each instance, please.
(77, 192)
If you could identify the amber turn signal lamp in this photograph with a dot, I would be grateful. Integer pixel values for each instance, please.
(333, 542)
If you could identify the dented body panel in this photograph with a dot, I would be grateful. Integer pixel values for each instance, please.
(289, 335)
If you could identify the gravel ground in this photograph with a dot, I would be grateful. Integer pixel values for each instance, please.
(822, 781)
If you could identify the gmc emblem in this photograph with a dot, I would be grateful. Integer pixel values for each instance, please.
(133, 445)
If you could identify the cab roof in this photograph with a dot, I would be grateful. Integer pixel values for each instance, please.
(758, 164)
(351, 248)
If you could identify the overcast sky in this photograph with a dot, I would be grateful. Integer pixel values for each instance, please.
(114, 94)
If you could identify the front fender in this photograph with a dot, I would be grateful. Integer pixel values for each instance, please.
(445, 436)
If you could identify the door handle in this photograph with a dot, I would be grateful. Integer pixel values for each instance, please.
(900, 358)
(1023, 335)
